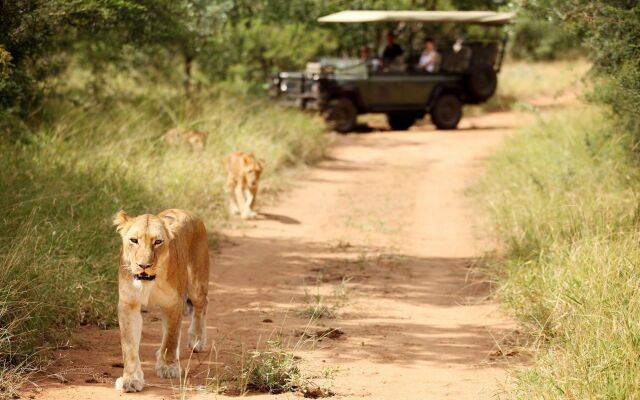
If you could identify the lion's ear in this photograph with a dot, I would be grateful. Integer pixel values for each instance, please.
(170, 226)
(262, 162)
(121, 220)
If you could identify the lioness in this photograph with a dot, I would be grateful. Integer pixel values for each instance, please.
(196, 139)
(164, 261)
(243, 175)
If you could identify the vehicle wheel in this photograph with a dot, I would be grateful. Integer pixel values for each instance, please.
(447, 111)
(399, 121)
(482, 82)
(341, 115)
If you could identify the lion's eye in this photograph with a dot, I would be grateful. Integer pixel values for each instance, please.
(157, 242)
(134, 241)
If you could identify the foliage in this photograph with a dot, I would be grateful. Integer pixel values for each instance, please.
(611, 34)
(536, 38)
(37, 33)
(207, 40)
(564, 203)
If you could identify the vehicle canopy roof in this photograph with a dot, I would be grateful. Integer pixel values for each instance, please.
(464, 17)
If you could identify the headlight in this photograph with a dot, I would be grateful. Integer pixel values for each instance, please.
(283, 87)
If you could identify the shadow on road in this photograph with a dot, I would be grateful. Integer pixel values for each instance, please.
(283, 219)
(385, 318)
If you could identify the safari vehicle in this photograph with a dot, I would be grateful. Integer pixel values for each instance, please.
(341, 89)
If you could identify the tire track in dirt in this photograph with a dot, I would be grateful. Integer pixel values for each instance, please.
(384, 217)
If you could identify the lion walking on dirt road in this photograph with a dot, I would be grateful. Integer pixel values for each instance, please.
(164, 261)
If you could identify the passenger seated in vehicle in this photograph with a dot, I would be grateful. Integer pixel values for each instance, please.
(392, 51)
(372, 63)
(364, 53)
(429, 59)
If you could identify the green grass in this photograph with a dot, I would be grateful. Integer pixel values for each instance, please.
(275, 368)
(320, 304)
(520, 82)
(526, 80)
(63, 179)
(564, 196)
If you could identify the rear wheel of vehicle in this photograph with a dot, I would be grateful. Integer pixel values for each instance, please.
(341, 115)
(446, 112)
(399, 121)
(482, 82)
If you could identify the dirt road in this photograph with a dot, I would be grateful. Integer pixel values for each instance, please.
(383, 232)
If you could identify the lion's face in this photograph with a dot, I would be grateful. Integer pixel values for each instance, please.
(144, 241)
(252, 169)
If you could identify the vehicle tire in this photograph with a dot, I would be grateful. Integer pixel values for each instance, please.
(482, 82)
(341, 115)
(446, 112)
(399, 121)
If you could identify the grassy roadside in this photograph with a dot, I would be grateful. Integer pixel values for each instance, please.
(564, 198)
(63, 180)
(521, 82)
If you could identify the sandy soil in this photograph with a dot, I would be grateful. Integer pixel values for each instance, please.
(384, 231)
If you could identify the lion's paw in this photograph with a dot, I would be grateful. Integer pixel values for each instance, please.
(250, 215)
(197, 344)
(127, 385)
(168, 370)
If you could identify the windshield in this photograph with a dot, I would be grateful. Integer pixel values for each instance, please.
(345, 65)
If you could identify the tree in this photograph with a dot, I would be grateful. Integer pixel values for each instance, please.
(610, 32)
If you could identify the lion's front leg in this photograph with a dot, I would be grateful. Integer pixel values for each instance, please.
(168, 363)
(240, 200)
(249, 199)
(253, 194)
(130, 320)
(234, 209)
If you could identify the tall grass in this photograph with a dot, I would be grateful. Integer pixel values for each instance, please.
(526, 80)
(520, 82)
(63, 180)
(564, 202)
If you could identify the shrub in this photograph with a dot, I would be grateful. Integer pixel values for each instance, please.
(610, 31)
(536, 38)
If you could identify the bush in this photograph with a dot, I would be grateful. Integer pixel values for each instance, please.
(611, 32)
(535, 38)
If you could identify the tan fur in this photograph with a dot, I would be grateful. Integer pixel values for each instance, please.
(176, 136)
(243, 176)
(172, 246)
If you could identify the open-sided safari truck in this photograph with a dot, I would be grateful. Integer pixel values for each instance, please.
(342, 88)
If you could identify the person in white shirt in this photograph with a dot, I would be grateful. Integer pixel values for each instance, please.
(429, 58)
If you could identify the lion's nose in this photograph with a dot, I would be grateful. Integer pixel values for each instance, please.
(144, 266)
